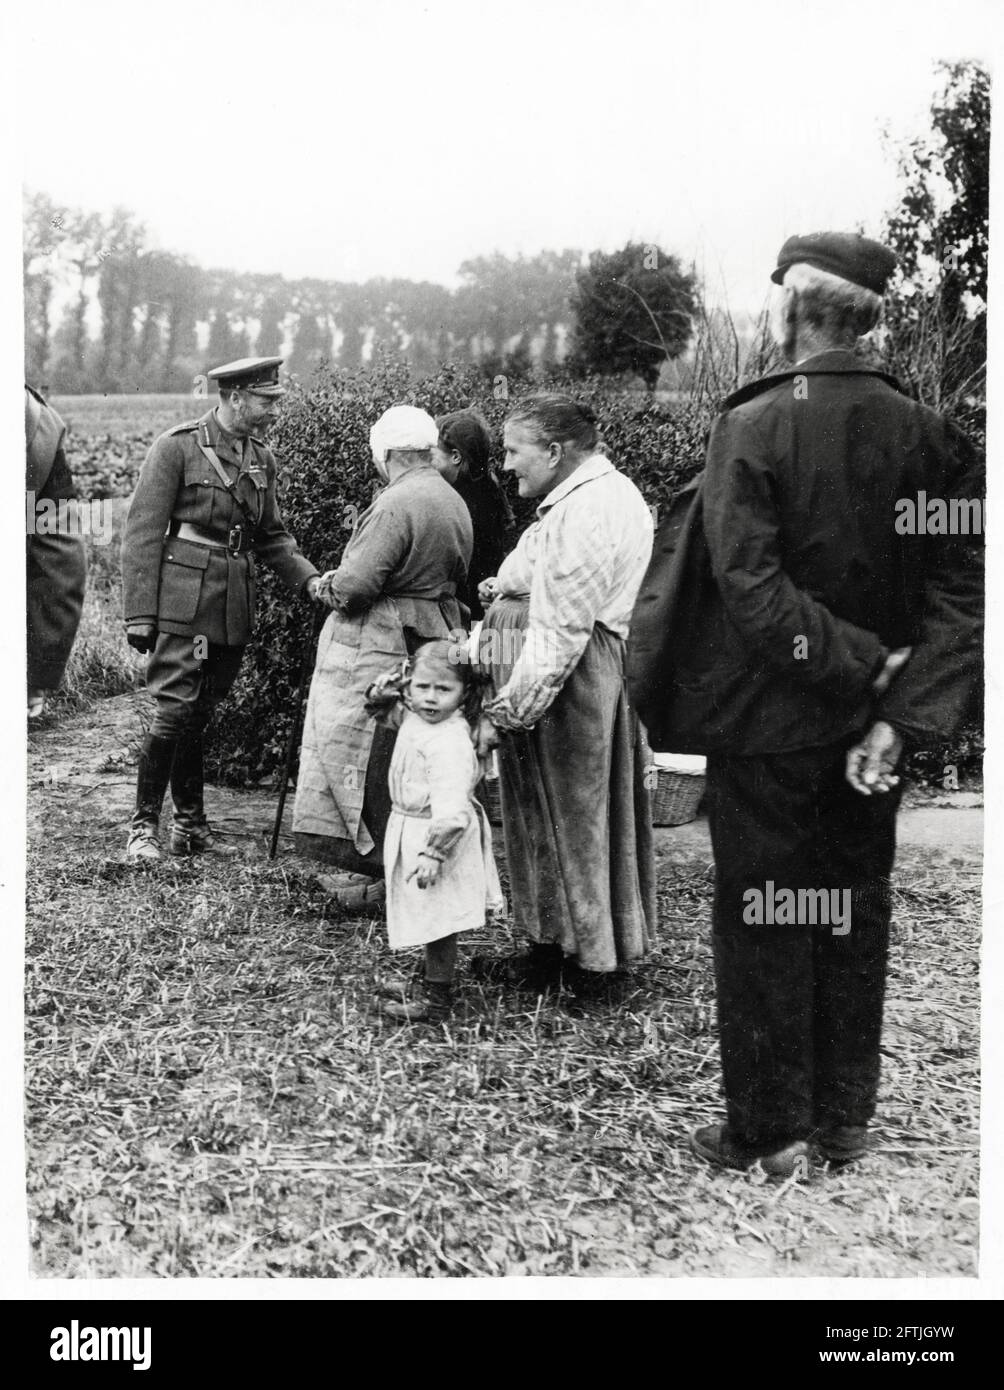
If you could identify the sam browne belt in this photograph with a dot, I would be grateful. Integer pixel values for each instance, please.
(238, 540)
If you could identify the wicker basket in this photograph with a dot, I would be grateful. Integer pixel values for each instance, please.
(676, 797)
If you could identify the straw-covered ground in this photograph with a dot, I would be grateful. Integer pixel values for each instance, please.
(209, 1092)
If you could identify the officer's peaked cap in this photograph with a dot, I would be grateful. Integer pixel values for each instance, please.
(260, 374)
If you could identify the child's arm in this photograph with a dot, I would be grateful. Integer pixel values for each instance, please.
(449, 779)
(384, 699)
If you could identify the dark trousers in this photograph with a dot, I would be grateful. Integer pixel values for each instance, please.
(187, 685)
(799, 1006)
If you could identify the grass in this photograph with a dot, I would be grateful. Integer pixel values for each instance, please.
(101, 662)
(209, 1093)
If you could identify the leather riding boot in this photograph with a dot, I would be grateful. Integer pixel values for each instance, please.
(153, 775)
(190, 833)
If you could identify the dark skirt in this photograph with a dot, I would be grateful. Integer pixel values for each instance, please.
(575, 809)
(342, 853)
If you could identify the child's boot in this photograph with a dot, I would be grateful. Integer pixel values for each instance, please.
(431, 1004)
(398, 987)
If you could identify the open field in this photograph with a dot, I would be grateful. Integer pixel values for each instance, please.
(133, 413)
(109, 436)
(210, 1094)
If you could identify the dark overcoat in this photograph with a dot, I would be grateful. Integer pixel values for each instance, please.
(56, 561)
(807, 478)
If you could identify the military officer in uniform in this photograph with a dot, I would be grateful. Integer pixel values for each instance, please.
(203, 512)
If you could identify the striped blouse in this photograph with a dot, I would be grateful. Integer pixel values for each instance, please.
(581, 562)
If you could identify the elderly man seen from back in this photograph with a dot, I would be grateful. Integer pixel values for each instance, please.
(844, 641)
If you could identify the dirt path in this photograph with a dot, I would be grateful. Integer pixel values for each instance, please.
(951, 826)
(81, 777)
(82, 783)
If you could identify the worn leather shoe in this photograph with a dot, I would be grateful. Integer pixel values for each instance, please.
(716, 1145)
(356, 893)
(143, 844)
(537, 969)
(191, 839)
(842, 1144)
(397, 987)
(430, 1004)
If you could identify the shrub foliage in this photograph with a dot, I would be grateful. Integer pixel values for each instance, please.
(322, 444)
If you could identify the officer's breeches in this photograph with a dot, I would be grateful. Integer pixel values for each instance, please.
(800, 937)
(186, 685)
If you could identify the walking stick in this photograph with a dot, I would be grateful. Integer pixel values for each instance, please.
(306, 663)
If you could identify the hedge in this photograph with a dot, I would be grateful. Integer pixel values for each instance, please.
(322, 444)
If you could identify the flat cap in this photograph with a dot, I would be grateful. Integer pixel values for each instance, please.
(852, 257)
(260, 374)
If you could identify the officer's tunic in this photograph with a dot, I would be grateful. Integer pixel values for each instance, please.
(191, 589)
(187, 588)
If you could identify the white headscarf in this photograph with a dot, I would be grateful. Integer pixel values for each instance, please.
(402, 427)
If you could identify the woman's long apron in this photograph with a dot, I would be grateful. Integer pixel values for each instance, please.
(342, 797)
(575, 809)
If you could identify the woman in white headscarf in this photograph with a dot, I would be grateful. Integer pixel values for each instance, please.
(394, 589)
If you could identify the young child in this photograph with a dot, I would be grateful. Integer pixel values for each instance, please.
(438, 862)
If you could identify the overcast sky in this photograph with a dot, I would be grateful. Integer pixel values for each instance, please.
(357, 138)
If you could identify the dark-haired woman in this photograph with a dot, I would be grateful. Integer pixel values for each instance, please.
(575, 811)
(462, 458)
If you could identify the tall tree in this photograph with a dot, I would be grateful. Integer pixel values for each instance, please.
(936, 314)
(44, 223)
(312, 339)
(634, 310)
(82, 238)
(509, 304)
(271, 305)
(183, 291)
(353, 318)
(227, 337)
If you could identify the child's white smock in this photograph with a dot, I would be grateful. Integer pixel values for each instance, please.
(433, 774)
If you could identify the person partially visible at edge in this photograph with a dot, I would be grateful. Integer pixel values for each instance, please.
(575, 810)
(848, 641)
(203, 512)
(396, 586)
(462, 457)
(56, 559)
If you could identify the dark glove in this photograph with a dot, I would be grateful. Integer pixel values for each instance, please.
(141, 636)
